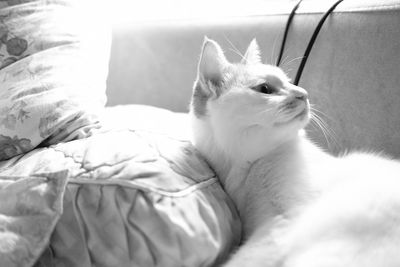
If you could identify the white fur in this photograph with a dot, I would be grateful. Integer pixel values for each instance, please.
(300, 206)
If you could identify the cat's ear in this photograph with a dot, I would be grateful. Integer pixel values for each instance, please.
(252, 55)
(212, 63)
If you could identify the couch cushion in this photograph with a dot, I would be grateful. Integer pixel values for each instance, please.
(135, 197)
(30, 207)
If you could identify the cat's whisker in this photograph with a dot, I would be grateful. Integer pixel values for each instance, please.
(234, 48)
(332, 133)
(317, 119)
(286, 52)
(283, 61)
(312, 106)
(292, 60)
(237, 53)
(318, 125)
(273, 51)
(264, 111)
(328, 133)
(280, 110)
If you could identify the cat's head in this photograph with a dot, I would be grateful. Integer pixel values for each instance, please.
(247, 104)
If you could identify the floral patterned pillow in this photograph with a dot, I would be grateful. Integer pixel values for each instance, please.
(53, 70)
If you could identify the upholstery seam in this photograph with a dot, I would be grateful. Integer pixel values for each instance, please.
(144, 187)
(393, 7)
(389, 8)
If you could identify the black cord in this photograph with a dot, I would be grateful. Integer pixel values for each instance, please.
(312, 41)
(288, 23)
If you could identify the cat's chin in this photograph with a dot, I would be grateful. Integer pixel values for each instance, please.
(301, 118)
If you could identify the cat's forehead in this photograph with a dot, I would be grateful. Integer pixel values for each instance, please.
(261, 73)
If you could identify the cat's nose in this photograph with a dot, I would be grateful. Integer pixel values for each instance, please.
(301, 97)
(300, 93)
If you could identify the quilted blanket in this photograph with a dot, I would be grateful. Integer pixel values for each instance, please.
(127, 196)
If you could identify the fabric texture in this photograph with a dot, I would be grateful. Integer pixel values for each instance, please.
(53, 68)
(29, 210)
(136, 195)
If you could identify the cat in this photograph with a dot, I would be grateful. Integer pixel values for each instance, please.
(299, 205)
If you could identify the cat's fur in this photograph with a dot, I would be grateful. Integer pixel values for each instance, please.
(300, 206)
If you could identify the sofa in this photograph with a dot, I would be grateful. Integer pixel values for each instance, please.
(90, 182)
(352, 73)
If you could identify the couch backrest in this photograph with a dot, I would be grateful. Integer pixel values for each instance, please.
(352, 74)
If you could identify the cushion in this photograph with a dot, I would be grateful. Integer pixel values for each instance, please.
(53, 68)
(30, 207)
(137, 194)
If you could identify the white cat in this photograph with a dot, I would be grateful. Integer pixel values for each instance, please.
(300, 206)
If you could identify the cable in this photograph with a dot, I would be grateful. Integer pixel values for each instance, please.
(312, 41)
(288, 23)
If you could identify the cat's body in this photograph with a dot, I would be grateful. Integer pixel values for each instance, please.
(299, 205)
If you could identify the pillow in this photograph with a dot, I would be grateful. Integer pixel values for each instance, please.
(29, 210)
(53, 69)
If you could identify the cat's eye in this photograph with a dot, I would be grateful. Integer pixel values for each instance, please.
(265, 89)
